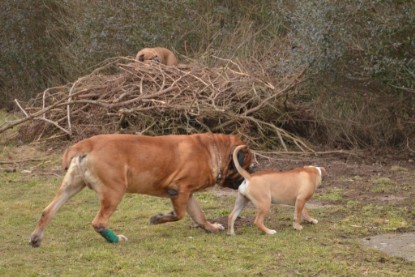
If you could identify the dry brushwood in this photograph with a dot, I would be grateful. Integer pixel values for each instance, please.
(127, 96)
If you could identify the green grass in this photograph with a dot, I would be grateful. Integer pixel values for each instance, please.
(71, 247)
(383, 184)
(333, 194)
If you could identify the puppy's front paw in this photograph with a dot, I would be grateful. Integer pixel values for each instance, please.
(297, 226)
(271, 232)
(217, 227)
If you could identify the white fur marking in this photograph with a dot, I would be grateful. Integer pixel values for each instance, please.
(242, 188)
(319, 170)
(271, 232)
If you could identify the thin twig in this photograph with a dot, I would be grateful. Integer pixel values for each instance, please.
(32, 116)
(21, 161)
(20, 107)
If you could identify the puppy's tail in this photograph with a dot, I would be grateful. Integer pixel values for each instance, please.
(238, 167)
(79, 149)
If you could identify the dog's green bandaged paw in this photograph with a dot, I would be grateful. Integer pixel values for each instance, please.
(109, 235)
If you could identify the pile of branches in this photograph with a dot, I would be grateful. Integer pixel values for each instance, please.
(126, 96)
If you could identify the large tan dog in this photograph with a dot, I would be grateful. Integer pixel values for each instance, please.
(158, 54)
(294, 187)
(173, 166)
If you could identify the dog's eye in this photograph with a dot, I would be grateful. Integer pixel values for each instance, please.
(141, 58)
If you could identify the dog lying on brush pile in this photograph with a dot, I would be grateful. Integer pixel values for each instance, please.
(157, 54)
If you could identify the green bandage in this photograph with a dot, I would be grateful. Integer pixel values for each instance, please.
(109, 235)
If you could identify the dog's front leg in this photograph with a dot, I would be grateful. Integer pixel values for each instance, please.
(109, 200)
(198, 216)
(179, 202)
(299, 206)
(262, 209)
(308, 218)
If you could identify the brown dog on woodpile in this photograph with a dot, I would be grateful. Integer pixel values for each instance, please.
(294, 187)
(173, 166)
(157, 54)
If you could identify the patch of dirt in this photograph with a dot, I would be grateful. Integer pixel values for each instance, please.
(399, 245)
(240, 221)
(29, 159)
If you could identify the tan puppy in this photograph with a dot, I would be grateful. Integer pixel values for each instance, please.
(158, 54)
(294, 187)
(174, 166)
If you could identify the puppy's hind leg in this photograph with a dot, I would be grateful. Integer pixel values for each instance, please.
(240, 204)
(71, 185)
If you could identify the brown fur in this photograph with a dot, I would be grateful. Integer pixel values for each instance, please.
(158, 54)
(294, 187)
(173, 166)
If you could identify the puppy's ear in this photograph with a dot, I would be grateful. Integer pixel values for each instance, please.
(323, 171)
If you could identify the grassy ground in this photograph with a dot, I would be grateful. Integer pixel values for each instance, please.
(350, 206)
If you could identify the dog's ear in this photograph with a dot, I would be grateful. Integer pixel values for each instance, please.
(244, 157)
(241, 157)
(233, 178)
(323, 171)
(141, 58)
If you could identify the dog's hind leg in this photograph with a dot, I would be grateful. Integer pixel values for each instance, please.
(109, 200)
(198, 216)
(72, 184)
(180, 202)
(240, 204)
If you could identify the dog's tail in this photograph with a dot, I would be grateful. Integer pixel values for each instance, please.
(238, 167)
(79, 149)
